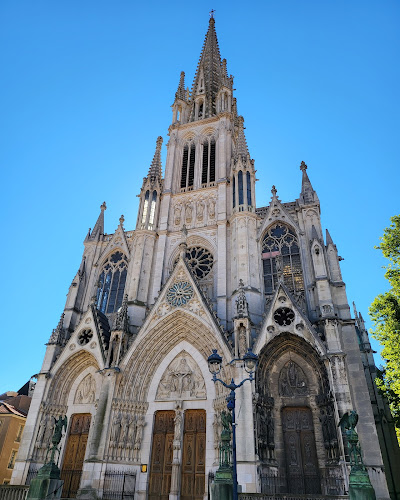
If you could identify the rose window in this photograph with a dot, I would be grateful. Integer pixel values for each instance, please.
(180, 293)
(200, 260)
(85, 337)
(283, 316)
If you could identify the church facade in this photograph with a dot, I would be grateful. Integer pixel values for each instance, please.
(207, 269)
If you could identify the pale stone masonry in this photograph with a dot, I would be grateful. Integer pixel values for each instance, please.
(205, 269)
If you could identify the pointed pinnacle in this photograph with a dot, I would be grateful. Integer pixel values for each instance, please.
(241, 149)
(181, 93)
(99, 226)
(155, 167)
(122, 321)
(329, 240)
(273, 191)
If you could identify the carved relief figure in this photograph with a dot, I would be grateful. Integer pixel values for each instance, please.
(182, 379)
(86, 390)
(242, 340)
(292, 380)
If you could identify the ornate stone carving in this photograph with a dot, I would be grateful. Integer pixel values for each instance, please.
(177, 214)
(292, 380)
(180, 293)
(182, 380)
(211, 208)
(86, 391)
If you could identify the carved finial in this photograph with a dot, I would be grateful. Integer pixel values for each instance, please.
(103, 206)
(303, 166)
(273, 191)
(121, 220)
(122, 320)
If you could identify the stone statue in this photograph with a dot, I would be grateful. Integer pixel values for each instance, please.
(177, 214)
(211, 208)
(178, 425)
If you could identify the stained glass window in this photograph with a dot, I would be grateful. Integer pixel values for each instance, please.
(111, 284)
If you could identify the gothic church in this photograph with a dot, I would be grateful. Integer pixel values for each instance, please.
(207, 269)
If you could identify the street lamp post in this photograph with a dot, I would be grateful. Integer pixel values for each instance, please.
(214, 365)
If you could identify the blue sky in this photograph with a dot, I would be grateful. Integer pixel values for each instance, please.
(87, 88)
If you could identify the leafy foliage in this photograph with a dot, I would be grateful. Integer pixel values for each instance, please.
(385, 314)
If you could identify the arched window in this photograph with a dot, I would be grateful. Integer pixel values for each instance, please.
(111, 285)
(145, 206)
(208, 171)
(152, 208)
(248, 181)
(234, 191)
(201, 109)
(188, 161)
(240, 187)
(281, 255)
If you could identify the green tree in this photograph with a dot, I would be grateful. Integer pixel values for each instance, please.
(385, 314)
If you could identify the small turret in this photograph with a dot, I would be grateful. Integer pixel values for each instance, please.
(241, 322)
(150, 192)
(180, 109)
(243, 173)
(120, 335)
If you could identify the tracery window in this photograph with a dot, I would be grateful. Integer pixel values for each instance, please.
(234, 192)
(200, 260)
(208, 171)
(111, 285)
(281, 254)
(188, 161)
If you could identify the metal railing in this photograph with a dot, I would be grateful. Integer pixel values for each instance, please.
(13, 492)
(119, 485)
(280, 484)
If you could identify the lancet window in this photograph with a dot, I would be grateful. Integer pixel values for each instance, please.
(281, 259)
(188, 162)
(208, 167)
(248, 182)
(111, 284)
(145, 206)
(240, 187)
(152, 209)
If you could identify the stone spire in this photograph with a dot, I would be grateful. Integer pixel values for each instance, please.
(155, 167)
(308, 195)
(122, 320)
(98, 229)
(329, 240)
(242, 307)
(181, 92)
(209, 74)
(241, 149)
(57, 336)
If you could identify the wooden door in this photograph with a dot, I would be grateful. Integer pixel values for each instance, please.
(75, 454)
(300, 452)
(161, 456)
(194, 455)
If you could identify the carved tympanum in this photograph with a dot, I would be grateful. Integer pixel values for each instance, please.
(182, 380)
(292, 380)
(85, 392)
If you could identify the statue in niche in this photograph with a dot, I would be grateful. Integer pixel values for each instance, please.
(292, 380)
(200, 210)
(242, 340)
(177, 214)
(181, 380)
(211, 208)
(138, 438)
(86, 391)
(178, 425)
(116, 429)
(188, 212)
(327, 420)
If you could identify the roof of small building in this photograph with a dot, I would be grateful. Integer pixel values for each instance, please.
(8, 409)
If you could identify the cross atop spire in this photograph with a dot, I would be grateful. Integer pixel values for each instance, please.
(155, 167)
(212, 13)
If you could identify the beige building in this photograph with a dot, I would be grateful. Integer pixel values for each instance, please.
(12, 423)
(205, 268)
